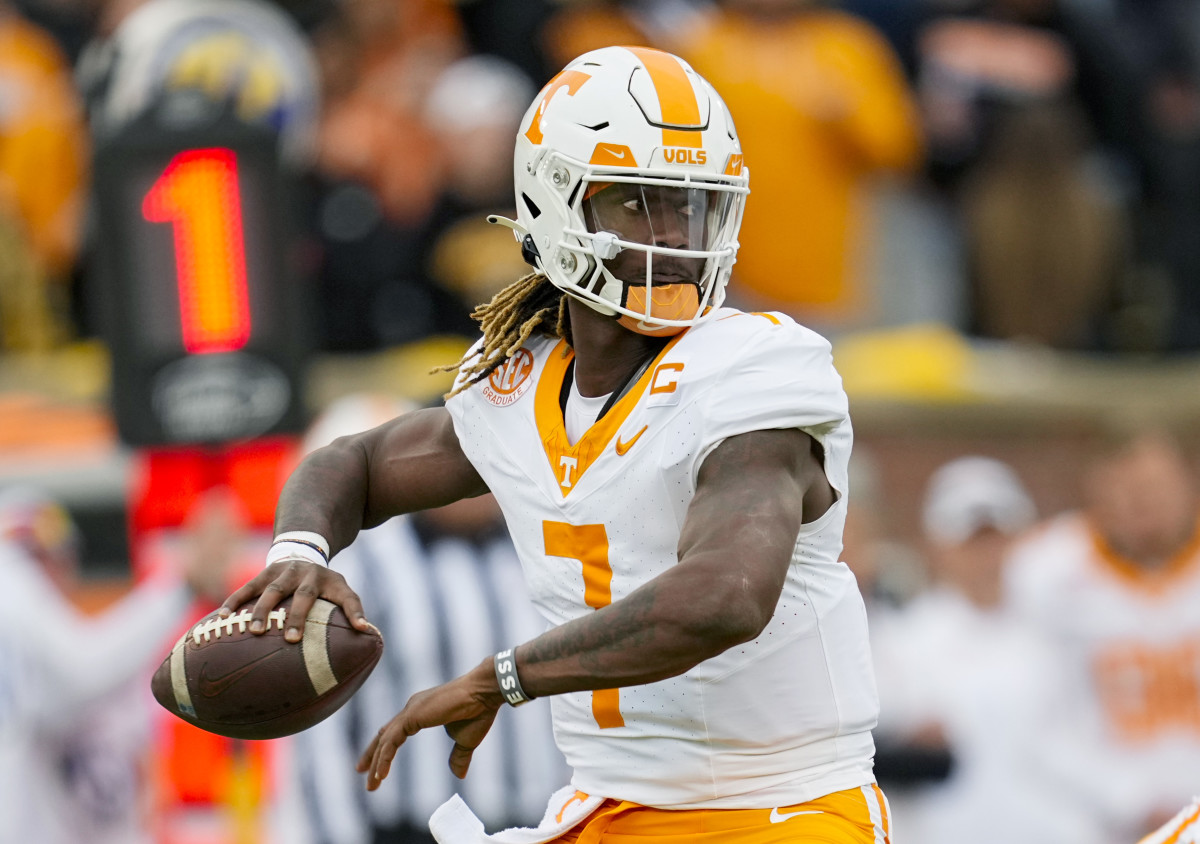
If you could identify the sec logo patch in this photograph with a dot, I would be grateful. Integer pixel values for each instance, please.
(508, 382)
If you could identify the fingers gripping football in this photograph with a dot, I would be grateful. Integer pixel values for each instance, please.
(306, 582)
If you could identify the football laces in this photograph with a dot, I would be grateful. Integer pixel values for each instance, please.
(217, 626)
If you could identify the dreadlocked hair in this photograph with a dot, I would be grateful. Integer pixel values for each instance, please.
(529, 304)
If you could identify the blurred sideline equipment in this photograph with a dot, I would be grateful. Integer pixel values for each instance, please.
(245, 52)
(209, 789)
(204, 113)
(226, 680)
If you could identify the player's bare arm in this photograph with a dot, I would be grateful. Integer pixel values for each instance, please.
(412, 463)
(753, 493)
(734, 553)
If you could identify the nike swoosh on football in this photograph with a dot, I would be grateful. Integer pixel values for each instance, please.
(779, 817)
(213, 686)
(623, 447)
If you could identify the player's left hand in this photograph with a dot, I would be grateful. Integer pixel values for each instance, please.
(466, 706)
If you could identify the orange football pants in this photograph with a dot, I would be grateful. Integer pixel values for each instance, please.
(854, 816)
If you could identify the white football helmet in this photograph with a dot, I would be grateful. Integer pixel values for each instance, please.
(630, 187)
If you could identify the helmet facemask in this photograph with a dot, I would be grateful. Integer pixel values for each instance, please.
(658, 249)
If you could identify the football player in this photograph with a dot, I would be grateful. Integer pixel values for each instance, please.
(1113, 589)
(673, 474)
(73, 729)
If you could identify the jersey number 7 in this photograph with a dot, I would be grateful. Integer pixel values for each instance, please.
(589, 545)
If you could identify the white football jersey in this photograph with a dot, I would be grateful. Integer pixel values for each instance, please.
(780, 720)
(1128, 645)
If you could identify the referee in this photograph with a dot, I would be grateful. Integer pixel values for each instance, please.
(443, 586)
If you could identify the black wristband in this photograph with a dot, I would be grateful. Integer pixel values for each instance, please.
(505, 663)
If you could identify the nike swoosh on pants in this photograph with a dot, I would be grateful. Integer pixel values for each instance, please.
(780, 817)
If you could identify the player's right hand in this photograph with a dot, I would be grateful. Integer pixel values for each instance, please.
(304, 581)
(466, 707)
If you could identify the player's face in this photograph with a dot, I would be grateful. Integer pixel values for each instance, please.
(975, 564)
(1144, 500)
(677, 218)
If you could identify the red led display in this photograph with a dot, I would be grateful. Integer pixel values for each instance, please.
(198, 194)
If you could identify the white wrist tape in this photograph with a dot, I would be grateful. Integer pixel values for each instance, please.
(306, 536)
(299, 544)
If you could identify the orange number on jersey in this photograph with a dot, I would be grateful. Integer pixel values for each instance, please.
(589, 545)
(198, 195)
(1146, 690)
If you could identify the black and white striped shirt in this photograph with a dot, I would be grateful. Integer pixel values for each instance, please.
(443, 604)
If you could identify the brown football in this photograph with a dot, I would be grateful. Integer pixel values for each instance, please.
(228, 681)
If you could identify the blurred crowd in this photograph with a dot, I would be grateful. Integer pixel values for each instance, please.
(1038, 672)
(1013, 169)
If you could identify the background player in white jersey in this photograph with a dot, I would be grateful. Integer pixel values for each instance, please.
(673, 475)
(74, 723)
(959, 671)
(1114, 589)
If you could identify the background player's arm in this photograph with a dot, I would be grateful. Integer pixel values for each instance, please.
(753, 493)
(412, 463)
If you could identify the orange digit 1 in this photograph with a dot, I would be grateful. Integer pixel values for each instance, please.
(198, 195)
(589, 545)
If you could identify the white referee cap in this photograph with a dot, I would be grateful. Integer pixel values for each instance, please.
(971, 494)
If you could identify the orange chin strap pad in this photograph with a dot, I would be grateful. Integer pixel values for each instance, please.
(667, 301)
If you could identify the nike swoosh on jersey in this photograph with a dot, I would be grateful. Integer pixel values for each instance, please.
(623, 447)
(780, 817)
(213, 686)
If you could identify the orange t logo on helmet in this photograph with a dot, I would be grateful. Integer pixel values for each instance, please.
(569, 79)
